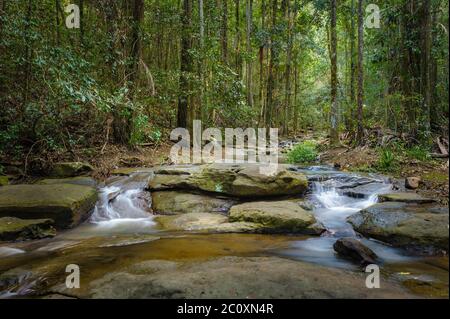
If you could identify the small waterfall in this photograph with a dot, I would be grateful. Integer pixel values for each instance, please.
(124, 202)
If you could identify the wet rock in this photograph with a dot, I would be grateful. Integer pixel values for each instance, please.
(412, 182)
(236, 277)
(244, 180)
(175, 202)
(70, 169)
(68, 205)
(127, 171)
(191, 221)
(4, 180)
(353, 249)
(277, 216)
(404, 198)
(364, 191)
(79, 180)
(15, 229)
(404, 225)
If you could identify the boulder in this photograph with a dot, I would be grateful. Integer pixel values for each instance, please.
(364, 191)
(175, 202)
(412, 182)
(127, 171)
(244, 180)
(353, 249)
(70, 169)
(277, 216)
(79, 180)
(233, 277)
(205, 222)
(4, 180)
(404, 198)
(68, 205)
(15, 229)
(404, 225)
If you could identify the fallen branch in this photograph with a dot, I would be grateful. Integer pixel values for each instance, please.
(437, 155)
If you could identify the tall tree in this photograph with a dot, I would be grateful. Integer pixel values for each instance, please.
(334, 134)
(224, 31)
(185, 64)
(249, 82)
(290, 41)
(360, 130)
(273, 58)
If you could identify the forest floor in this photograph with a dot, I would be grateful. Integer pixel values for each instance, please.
(434, 173)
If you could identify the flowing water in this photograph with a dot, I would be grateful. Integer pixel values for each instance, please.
(121, 231)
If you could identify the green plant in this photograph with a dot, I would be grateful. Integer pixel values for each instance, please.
(419, 153)
(306, 152)
(387, 160)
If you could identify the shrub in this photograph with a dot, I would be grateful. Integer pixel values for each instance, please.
(387, 160)
(306, 152)
(418, 153)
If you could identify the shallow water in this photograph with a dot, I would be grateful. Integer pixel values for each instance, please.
(122, 232)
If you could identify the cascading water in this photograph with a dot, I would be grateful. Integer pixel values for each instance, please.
(123, 204)
(332, 208)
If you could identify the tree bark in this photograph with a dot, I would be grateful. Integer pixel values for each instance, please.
(360, 130)
(272, 61)
(224, 32)
(334, 135)
(185, 64)
(249, 16)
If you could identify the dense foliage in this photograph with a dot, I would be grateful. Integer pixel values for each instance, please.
(122, 76)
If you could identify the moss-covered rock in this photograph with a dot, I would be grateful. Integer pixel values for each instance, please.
(404, 225)
(176, 202)
(205, 222)
(404, 198)
(238, 180)
(275, 217)
(4, 180)
(15, 229)
(79, 180)
(70, 169)
(66, 204)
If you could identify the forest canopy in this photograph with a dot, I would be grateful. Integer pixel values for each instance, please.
(135, 69)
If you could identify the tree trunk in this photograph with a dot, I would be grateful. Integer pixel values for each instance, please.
(261, 66)
(334, 134)
(224, 32)
(272, 61)
(360, 130)
(249, 16)
(425, 64)
(185, 65)
(290, 40)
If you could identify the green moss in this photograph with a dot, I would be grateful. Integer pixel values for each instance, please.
(4, 180)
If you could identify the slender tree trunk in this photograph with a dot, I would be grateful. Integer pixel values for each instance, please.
(434, 114)
(224, 32)
(237, 49)
(185, 65)
(81, 6)
(352, 61)
(272, 61)
(334, 134)
(290, 41)
(360, 130)
(261, 66)
(425, 64)
(249, 16)
(202, 49)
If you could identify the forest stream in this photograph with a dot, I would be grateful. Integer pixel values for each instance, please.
(122, 240)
